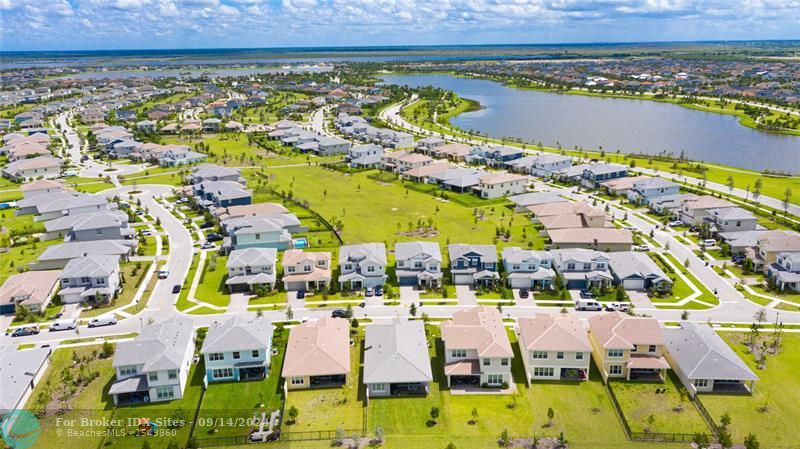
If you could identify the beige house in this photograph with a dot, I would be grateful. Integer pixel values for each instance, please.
(769, 244)
(500, 184)
(599, 239)
(566, 215)
(694, 210)
(477, 349)
(32, 290)
(306, 270)
(554, 347)
(621, 186)
(317, 354)
(627, 347)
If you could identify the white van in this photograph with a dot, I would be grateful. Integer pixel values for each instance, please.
(587, 304)
(103, 320)
(63, 325)
(708, 242)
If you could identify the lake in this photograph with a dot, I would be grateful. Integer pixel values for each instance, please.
(631, 126)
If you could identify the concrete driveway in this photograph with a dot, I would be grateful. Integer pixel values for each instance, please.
(408, 295)
(466, 295)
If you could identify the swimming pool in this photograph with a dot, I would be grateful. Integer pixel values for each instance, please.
(300, 243)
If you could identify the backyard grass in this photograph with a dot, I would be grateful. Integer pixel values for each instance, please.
(130, 287)
(21, 224)
(649, 411)
(211, 288)
(329, 408)
(18, 257)
(227, 404)
(786, 296)
(771, 412)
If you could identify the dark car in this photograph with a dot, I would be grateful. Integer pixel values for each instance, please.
(523, 293)
(23, 331)
(339, 313)
(378, 291)
(176, 288)
(213, 237)
(586, 294)
(301, 294)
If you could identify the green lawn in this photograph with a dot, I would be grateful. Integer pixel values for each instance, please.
(212, 288)
(227, 403)
(648, 411)
(20, 225)
(17, 257)
(786, 296)
(771, 413)
(183, 301)
(329, 408)
(130, 287)
(147, 246)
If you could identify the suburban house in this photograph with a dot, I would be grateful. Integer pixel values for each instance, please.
(627, 347)
(425, 173)
(594, 174)
(211, 172)
(48, 206)
(396, 359)
(477, 349)
(154, 366)
(211, 125)
(177, 156)
(637, 271)
(731, 219)
(43, 186)
(306, 270)
(362, 266)
(567, 215)
(401, 161)
(146, 126)
(426, 144)
(542, 165)
(42, 167)
(785, 271)
(102, 225)
(32, 290)
(527, 268)
(238, 349)
(458, 179)
(57, 256)
(317, 354)
(271, 231)
(621, 186)
(90, 278)
(704, 362)
(600, 239)
(365, 156)
(20, 372)
(523, 201)
(694, 210)
(475, 265)
(769, 245)
(418, 264)
(251, 267)
(221, 194)
(646, 190)
(249, 210)
(554, 347)
(500, 184)
(583, 268)
(451, 151)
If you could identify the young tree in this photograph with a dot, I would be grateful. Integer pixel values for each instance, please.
(621, 294)
(550, 415)
(292, 413)
(701, 440)
(505, 439)
(434, 414)
(413, 309)
(474, 415)
(751, 442)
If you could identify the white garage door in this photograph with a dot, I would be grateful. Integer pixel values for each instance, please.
(520, 283)
(633, 284)
(463, 279)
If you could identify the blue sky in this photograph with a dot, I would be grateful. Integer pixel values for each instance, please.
(139, 24)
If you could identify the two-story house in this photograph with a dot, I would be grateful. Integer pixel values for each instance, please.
(103, 225)
(477, 349)
(583, 268)
(90, 278)
(211, 172)
(527, 268)
(694, 209)
(786, 271)
(221, 194)
(646, 190)
(317, 354)
(251, 267)
(769, 244)
(418, 264)
(594, 174)
(238, 349)
(310, 271)
(365, 156)
(258, 232)
(362, 265)
(473, 264)
(731, 219)
(554, 347)
(154, 366)
(627, 347)
(500, 184)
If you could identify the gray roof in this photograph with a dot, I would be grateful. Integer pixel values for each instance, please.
(396, 352)
(407, 250)
(160, 346)
(534, 198)
(702, 354)
(92, 220)
(578, 255)
(603, 168)
(80, 249)
(252, 256)
(732, 213)
(488, 253)
(375, 252)
(214, 171)
(17, 370)
(90, 266)
(654, 183)
(515, 254)
(238, 334)
(629, 264)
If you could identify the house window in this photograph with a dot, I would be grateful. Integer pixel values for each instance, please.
(417, 264)
(236, 355)
(307, 268)
(539, 355)
(85, 280)
(298, 380)
(152, 377)
(101, 281)
(458, 353)
(701, 383)
(541, 371)
(560, 355)
(379, 387)
(578, 356)
(348, 267)
(503, 362)
(215, 356)
(255, 354)
(127, 370)
(570, 266)
(222, 373)
(651, 348)
(635, 348)
(258, 236)
(601, 266)
(494, 379)
(615, 370)
(165, 393)
(172, 374)
(290, 269)
(616, 353)
(487, 362)
(587, 266)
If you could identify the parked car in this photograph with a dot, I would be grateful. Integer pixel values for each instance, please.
(146, 232)
(339, 313)
(586, 294)
(643, 247)
(369, 292)
(301, 294)
(631, 228)
(103, 320)
(675, 223)
(208, 245)
(176, 288)
(708, 242)
(213, 237)
(618, 307)
(523, 293)
(379, 291)
(163, 273)
(23, 331)
(183, 200)
(63, 325)
(588, 305)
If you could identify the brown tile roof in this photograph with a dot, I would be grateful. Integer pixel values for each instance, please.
(546, 332)
(318, 348)
(480, 328)
(618, 330)
(36, 284)
(589, 235)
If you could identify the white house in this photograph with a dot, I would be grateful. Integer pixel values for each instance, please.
(238, 349)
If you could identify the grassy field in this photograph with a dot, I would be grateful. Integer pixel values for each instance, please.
(20, 225)
(211, 288)
(183, 301)
(17, 257)
(771, 413)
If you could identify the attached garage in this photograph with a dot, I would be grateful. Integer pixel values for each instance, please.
(633, 284)
(463, 279)
(7, 309)
(407, 281)
(519, 282)
(295, 286)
